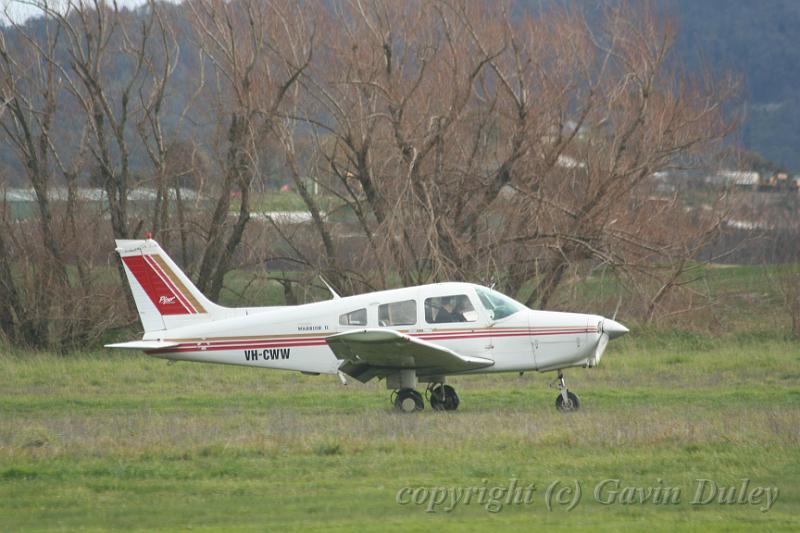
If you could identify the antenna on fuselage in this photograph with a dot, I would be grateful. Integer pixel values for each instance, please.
(333, 292)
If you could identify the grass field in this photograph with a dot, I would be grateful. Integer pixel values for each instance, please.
(105, 440)
(123, 441)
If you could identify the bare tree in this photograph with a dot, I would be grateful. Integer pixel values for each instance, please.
(470, 145)
(152, 92)
(92, 33)
(30, 90)
(427, 141)
(257, 59)
(69, 104)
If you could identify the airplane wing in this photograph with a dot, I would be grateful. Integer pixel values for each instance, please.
(368, 353)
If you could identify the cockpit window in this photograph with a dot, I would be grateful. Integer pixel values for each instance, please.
(398, 313)
(444, 309)
(354, 318)
(498, 305)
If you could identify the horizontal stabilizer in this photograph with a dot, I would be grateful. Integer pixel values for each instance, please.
(143, 345)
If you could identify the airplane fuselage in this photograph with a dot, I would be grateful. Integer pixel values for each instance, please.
(293, 337)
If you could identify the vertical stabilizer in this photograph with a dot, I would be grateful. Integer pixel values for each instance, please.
(165, 297)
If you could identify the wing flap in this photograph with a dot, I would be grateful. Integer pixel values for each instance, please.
(370, 352)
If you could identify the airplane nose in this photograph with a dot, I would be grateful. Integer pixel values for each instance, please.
(613, 328)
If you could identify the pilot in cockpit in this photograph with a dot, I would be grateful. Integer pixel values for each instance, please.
(451, 310)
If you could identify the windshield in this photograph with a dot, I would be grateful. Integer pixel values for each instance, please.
(498, 305)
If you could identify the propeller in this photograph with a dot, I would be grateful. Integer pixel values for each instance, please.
(609, 329)
(616, 310)
(601, 347)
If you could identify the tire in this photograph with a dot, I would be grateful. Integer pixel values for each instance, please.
(573, 403)
(450, 401)
(409, 401)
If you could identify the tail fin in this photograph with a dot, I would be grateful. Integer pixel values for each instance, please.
(164, 295)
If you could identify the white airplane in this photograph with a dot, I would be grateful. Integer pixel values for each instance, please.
(405, 336)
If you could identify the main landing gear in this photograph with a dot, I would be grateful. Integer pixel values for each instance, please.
(441, 397)
(565, 401)
(408, 401)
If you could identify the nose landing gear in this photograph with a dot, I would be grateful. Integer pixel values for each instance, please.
(566, 401)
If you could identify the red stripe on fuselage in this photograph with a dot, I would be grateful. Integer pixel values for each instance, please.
(203, 348)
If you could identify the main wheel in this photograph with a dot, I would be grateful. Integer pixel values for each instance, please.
(572, 403)
(408, 401)
(444, 398)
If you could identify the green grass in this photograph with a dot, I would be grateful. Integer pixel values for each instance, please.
(119, 441)
(735, 298)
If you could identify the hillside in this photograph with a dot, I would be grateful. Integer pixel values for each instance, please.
(759, 40)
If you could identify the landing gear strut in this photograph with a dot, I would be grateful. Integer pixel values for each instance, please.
(408, 401)
(566, 400)
(443, 397)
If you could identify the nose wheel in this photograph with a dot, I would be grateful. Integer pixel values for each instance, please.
(566, 400)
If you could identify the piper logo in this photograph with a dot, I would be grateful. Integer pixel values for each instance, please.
(166, 301)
